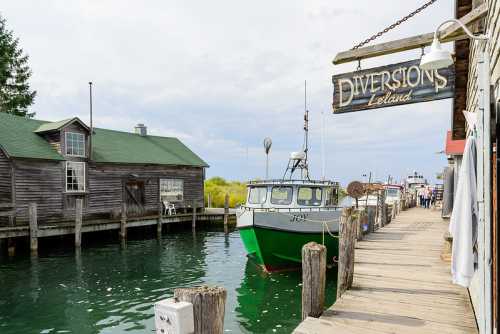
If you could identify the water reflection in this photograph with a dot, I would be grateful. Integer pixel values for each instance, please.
(105, 288)
(271, 303)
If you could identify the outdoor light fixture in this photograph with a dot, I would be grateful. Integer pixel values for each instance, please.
(438, 57)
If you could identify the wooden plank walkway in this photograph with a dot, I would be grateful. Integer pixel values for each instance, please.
(401, 285)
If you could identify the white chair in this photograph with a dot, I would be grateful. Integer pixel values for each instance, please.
(169, 208)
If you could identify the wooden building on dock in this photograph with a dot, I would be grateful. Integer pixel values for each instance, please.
(54, 163)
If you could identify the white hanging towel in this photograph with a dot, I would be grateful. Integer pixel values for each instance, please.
(463, 223)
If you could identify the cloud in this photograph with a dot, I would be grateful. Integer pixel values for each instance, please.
(223, 75)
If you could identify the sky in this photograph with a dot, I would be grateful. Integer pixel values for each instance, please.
(223, 75)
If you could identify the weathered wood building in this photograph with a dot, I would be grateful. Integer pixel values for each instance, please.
(484, 287)
(54, 163)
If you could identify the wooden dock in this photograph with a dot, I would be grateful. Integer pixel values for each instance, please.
(401, 285)
(96, 225)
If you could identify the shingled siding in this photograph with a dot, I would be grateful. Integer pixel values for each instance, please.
(39, 182)
(5, 179)
(105, 185)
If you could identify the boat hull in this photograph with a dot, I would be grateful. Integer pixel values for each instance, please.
(275, 242)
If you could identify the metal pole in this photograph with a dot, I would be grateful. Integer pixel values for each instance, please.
(267, 166)
(369, 181)
(91, 121)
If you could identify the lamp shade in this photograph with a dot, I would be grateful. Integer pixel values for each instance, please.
(436, 58)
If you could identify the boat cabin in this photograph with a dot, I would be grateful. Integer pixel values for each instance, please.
(292, 194)
(392, 193)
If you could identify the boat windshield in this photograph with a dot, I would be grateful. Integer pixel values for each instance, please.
(309, 196)
(257, 195)
(331, 196)
(281, 195)
(391, 192)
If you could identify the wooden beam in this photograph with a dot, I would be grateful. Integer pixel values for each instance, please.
(451, 33)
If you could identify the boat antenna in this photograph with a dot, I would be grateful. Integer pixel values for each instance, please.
(306, 131)
(298, 160)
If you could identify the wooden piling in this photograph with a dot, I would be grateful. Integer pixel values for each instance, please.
(362, 219)
(386, 215)
(226, 213)
(78, 222)
(347, 242)
(193, 223)
(371, 216)
(313, 279)
(160, 217)
(11, 245)
(123, 223)
(33, 219)
(208, 307)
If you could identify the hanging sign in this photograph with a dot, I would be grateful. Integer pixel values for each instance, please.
(391, 85)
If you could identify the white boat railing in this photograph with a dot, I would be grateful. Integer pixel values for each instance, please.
(308, 209)
(288, 182)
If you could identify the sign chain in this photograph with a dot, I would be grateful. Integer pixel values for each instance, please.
(394, 25)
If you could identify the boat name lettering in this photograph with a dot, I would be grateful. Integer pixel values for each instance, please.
(300, 217)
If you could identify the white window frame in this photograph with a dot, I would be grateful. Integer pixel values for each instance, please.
(66, 146)
(68, 163)
(171, 179)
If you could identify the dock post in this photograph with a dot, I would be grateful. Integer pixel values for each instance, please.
(160, 217)
(313, 279)
(33, 227)
(226, 213)
(347, 241)
(11, 245)
(123, 224)
(362, 219)
(193, 223)
(78, 222)
(209, 305)
(371, 216)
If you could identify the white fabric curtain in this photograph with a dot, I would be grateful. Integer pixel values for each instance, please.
(463, 223)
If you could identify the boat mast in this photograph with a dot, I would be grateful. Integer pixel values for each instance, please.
(298, 160)
(305, 170)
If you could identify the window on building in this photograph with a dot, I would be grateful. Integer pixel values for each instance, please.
(309, 196)
(75, 176)
(257, 195)
(75, 144)
(171, 190)
(281, 195)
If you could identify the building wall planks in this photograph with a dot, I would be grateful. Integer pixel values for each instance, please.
(43, 182)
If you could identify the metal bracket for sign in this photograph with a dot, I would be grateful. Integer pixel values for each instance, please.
(359, 65)
(423, 52)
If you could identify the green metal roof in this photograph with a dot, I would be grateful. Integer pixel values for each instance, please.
(19, 138)
(51, 126)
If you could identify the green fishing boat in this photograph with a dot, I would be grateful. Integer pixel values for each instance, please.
(280, 216)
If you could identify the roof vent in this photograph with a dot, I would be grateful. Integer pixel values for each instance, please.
(141, 129)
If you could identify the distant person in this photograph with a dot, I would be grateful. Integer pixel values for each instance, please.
(421, 196)
(427, 198)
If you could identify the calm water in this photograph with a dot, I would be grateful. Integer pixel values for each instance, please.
(107, 289)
